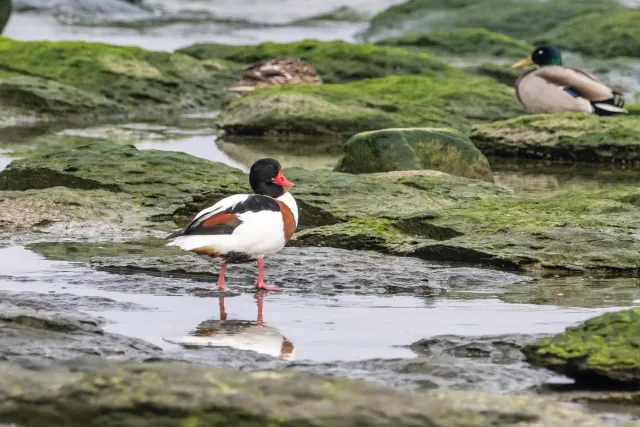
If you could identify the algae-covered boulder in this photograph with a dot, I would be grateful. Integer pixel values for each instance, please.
(180, 394)
(568, 233)
(161, 181)
(440, 149)
(134, 77)
(599, 34)
(335, 61)
(523, 19)
(603, 349)
(463, 42)
(567, 136)
(390, 102)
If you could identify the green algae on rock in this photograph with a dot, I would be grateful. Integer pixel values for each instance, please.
(603, 349)
(390, 102)
(478, 42)
(523, 19)
(565, 136)
(161, 181)
(440, 149)
(180, 394)
(130, 76)
(335, 61)
(566, 234)
(605, 35)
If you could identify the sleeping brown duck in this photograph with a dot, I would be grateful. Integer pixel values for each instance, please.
(552, 88)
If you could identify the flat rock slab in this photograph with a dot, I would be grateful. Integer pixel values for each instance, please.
(175, 394)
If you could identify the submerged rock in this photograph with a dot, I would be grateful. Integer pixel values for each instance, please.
(566, 136)
(63, 77)
(390, 102)
(445, 150)
(37, 336)
(335, 61)
(602, 350)
(174, 394)
(478, 42)
(599, 34)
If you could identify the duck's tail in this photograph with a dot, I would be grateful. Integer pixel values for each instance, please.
(611, 106)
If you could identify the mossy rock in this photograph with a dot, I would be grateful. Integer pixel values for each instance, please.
(601, 350)
(48, 96)
(131, 76)
(566, 136)
(372, 104)
(599, 34)
(177, 185)
(180, 394)
(335, 61)
(501, 73)
(440, 149)
(521, 19)
(478, 42)
(161, 181)
(566, 234)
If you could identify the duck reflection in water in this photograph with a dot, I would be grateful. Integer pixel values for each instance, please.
(241, 334)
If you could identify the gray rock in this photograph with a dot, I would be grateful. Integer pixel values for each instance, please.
(172, 394)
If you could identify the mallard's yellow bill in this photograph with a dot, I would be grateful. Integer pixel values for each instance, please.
(523, 63)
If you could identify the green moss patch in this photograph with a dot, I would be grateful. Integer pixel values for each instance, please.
(390, 102)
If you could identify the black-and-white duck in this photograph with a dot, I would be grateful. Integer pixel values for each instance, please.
(245, 227)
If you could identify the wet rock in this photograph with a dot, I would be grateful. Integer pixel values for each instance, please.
(445, 150)
(492, 364)
(603, 350)
(335, 61)
(328, 271)
(390, 102)
(586, 34)
(565, 234)
(140, 80)
(28, 335)
(171, 393)
(520, 19)
(464, 41)
(567, 136)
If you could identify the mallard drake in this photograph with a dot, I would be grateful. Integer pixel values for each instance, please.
(245, 227)
(552, 88)
(278, 71)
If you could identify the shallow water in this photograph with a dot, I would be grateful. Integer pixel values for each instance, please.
(322, 328)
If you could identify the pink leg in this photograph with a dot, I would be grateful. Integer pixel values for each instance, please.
(222, 286)
(260, 282)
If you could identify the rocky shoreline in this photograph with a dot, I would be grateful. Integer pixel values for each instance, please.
(412, 197)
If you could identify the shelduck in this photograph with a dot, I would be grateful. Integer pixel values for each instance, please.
(552, 88)
(245, 227)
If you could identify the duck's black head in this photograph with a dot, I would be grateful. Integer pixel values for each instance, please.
(266, 178)
(542, 55)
